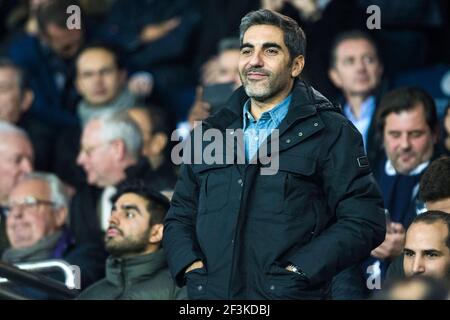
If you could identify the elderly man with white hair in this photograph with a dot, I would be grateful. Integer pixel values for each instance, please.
(110, 153)
(36, 213)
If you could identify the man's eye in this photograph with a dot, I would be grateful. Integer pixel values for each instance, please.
(394, 134)
(348, 61)
(369, 59)
(416, 134)
(432, 255)
(245, 52)
(272, 51)
(409, 254)
(130, 215)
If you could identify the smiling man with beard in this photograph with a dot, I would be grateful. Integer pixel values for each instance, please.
(409, 126)
(235, 232)
(136, 268)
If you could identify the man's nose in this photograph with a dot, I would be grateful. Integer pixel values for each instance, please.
(114, 219)
(26, 165)
(256, 59)
(404, 142)
(81, 157)
(418, 266)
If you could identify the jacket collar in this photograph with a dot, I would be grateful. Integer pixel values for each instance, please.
(305, 102)
(134, 269)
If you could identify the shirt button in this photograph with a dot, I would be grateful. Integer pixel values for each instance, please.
(240, 182)
(272, 287)
(300, 134)
(200, 288)
(315, 124)
(288, 141)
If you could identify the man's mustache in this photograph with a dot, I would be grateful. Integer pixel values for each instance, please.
(115, 228)
(258, 70)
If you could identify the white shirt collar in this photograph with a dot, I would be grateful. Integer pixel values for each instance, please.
(390, 170)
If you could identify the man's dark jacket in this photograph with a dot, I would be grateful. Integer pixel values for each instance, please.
(321, 211)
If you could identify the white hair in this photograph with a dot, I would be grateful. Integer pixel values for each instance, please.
(58, 194)
(7, 128)
(119, 125)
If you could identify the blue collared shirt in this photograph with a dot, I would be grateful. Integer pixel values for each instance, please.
(363, 123)
(255, 132)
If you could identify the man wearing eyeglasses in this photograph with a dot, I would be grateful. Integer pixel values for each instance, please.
(101, 80)
(36, 227)
(110, 153)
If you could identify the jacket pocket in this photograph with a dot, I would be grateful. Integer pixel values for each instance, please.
(196, 284)
(215, 187)
(303, 191)
(282, 284)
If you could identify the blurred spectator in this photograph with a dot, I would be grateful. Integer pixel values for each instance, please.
(15, 97)
(156, 134)
(48, 61)
(322, 21)
(36, 227)
(414, 288)
(356, 69)
(101, 80)
(414, 26)
(110, 153)
(136, 268)
(408, 122)
(222, 69)
(434, 187)
(15, 100)
(157, 36)
(16, 160)
(219, 20)
(427, 246)
(434, 191)
(447, 129)
(23, 17)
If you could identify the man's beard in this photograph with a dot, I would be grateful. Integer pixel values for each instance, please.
(264, 89)
(120, 246)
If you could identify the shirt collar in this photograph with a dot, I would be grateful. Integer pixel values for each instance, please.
(367, 109)
(276, 114)
(390, 170)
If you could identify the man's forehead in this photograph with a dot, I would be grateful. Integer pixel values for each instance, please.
(6, 73)
(131, 199)
(354, 46)
(95, 58)
(31, 187)
(427, 235)
(261, 34)
(407, 118)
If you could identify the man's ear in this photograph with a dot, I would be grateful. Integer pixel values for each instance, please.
(120, 150)
(297, 66)
(27, 100)
(159, 142)
(60, 216)
(156, 233)
(334, 76)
